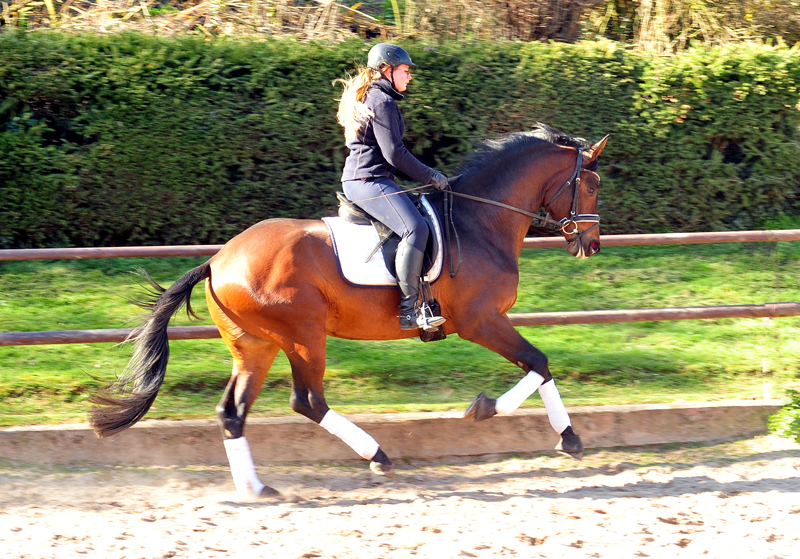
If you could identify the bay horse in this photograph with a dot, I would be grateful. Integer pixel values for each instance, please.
(276, 286)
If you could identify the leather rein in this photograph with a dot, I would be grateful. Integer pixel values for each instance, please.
(567, 225)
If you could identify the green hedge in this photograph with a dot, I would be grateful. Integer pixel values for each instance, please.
(131, 139)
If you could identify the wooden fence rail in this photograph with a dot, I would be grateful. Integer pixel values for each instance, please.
(530, 242)
(520, 319)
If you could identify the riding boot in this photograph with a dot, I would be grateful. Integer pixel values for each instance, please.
(408, 264)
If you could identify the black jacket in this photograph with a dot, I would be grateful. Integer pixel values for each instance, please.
(378, 150)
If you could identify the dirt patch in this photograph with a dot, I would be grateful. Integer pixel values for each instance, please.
(739, 499)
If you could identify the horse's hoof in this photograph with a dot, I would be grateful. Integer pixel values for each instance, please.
(576, 455)
(269, 493)
(481, 408)
(381, 465)
(570, 444)
(385, 470)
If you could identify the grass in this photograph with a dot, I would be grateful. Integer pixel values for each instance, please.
(594, 364)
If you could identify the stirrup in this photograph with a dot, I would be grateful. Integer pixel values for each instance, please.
(421, 317)
(427, 321)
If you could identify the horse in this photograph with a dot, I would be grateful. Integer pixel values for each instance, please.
(276, 287)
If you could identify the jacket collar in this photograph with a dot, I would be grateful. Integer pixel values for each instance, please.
(386, 86)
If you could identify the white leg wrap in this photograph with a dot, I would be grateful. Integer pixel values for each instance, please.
(242, 468)
(511, 400)
(352, 435)
(556, 412)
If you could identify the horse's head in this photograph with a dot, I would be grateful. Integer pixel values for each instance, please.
(574, 204)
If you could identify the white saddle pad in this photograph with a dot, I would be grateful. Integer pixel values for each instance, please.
(352, 244)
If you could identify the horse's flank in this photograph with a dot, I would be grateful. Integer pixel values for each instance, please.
(258, 278)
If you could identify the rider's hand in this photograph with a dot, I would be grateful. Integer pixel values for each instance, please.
(439, 180)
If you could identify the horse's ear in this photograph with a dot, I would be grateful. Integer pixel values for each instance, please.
(593, 152)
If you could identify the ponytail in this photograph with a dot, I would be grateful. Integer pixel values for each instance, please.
(353, 113)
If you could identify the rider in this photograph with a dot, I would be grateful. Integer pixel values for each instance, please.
(373, 130)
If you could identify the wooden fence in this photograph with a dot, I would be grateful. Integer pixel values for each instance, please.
(521, 319)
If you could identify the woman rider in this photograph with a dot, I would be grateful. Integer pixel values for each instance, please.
(373, 130)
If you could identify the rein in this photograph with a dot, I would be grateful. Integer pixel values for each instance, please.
(570, 221)
(544, 220)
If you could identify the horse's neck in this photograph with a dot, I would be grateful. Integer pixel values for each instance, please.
(505, 229)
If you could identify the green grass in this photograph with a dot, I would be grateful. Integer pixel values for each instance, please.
(594, 364)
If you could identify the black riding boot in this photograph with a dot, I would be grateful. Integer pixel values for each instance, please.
(408, 264)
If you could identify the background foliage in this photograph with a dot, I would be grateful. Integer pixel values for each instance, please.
(786, 422)
(672, 25)
(654, 25)
(132, 139)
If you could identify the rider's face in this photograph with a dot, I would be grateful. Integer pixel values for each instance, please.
(402, 76)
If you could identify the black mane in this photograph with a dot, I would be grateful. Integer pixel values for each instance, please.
(490, 153)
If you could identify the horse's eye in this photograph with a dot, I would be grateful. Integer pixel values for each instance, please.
(591, 190)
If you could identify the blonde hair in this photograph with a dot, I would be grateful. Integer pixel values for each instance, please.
(353, 113)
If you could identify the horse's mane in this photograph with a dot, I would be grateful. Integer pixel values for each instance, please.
(495, 154)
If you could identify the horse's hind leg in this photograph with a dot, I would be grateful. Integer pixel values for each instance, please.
(252, 358)
(307, 398)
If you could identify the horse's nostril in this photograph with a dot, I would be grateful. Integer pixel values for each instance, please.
(595, 246)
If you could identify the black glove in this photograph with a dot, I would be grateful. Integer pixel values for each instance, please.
(439, 180)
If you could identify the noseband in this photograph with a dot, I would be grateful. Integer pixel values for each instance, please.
(569, 224)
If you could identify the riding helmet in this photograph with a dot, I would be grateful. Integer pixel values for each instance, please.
(389, 54)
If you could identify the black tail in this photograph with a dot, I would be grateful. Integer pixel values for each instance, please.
(127, 400)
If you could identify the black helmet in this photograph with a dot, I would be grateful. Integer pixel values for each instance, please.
(387, 53)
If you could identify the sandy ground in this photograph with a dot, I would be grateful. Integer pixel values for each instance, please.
(736, 499)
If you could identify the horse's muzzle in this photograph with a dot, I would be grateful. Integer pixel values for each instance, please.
(576, 248)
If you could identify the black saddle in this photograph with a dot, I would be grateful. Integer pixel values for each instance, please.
(389, 240)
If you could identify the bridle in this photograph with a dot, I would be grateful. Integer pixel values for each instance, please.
(574, 218)
(565, 224)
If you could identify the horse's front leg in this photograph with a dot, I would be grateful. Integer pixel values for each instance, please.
(501, 337)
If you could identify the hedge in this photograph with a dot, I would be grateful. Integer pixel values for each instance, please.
(131, 139)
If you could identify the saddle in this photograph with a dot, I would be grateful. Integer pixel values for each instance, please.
(387, 243)
(388, 239)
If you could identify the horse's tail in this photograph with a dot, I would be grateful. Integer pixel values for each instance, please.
(127, 400)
